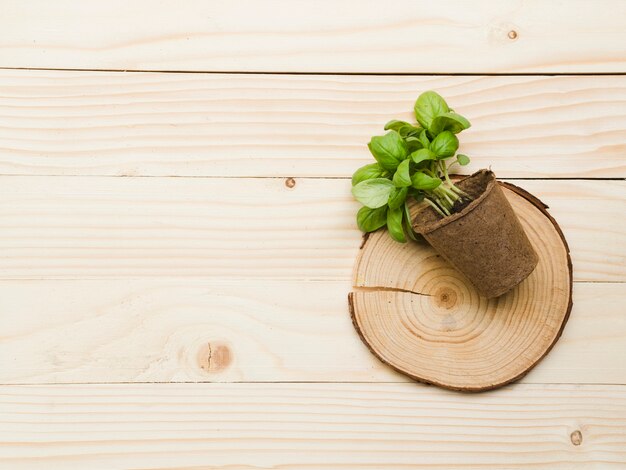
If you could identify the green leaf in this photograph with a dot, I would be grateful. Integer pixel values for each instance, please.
(395, 125)
(422, 181)
(373, 193)
(403, 128)
(424, 139)
(369, 220)
(402, 177)
(367, 172)
(423, 155)
(462, 159)
(388, 150)
(416, 194)
(428, 106)
(450, 121)
(397, 197)
(407, 222)
(445, 144)
(394, 224)
(413, 144)
(409, 131)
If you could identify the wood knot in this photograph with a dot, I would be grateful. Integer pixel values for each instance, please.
(290, 183)
(214, 356)
(576, 437)
(445, 298)
(502, 32)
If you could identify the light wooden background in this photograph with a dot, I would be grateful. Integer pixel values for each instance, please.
(177, 232)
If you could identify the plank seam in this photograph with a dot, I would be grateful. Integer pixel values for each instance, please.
(228, 280)
(61, 175)
(357, 74)
(289, 382)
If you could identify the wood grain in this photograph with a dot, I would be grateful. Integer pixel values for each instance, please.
(88, 123)
(294, 426)
(323, 36)
(103, 227)
(425, 319)
(221, 331)
(225, 278)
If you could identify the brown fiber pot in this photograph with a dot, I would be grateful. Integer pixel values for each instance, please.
(485, 241)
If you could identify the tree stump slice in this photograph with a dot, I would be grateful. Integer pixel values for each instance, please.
(419, 315)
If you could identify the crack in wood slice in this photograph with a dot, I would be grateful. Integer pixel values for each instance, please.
(387, 289)
(423, 318)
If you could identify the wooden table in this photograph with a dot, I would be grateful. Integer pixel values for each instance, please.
(177, 232)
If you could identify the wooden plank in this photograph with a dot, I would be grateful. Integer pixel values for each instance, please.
(323, 36)
(117, 228)
(194, 330)
(94, 123)
(318, 426)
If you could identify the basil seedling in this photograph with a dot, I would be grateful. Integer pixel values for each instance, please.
(412, 161)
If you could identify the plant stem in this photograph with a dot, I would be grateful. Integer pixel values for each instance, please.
(444, 170)
(451, 185)
(448, 191)
(458, 191)
(446, 194)
(436, 207)
(443, 203)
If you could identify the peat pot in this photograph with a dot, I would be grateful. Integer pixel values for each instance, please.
(485, 240)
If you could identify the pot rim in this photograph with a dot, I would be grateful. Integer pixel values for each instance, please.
(442, 222)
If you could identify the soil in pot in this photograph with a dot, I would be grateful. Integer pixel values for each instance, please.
(483, 239)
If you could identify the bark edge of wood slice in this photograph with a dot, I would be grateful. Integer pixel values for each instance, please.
(417, 314)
